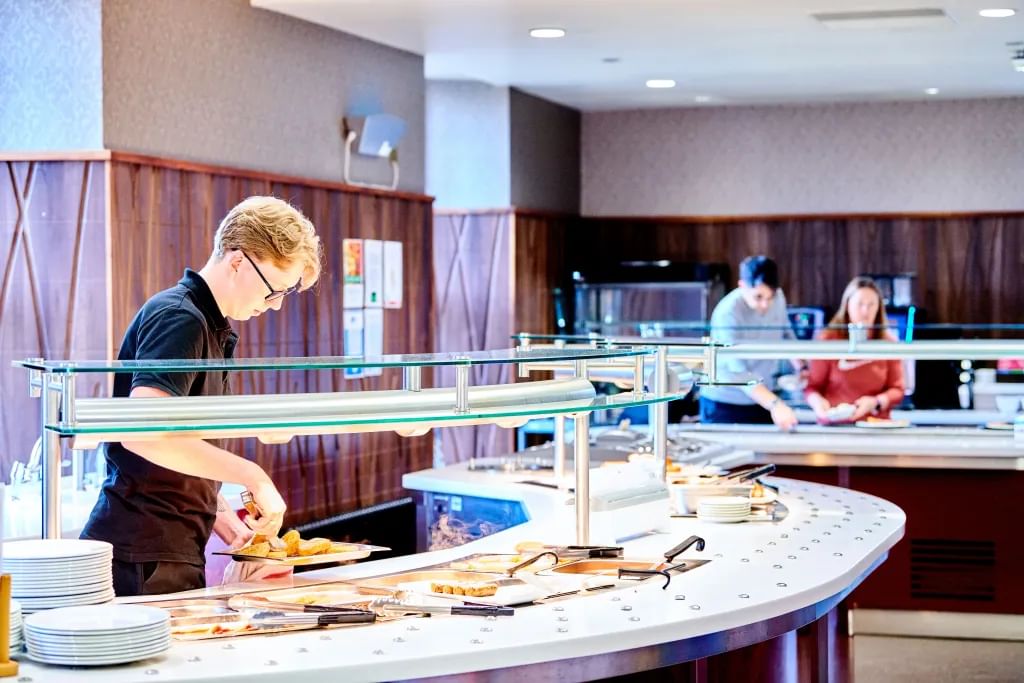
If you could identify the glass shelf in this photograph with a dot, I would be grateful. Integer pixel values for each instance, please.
(615, 339)
(497, 357)
(412, 421)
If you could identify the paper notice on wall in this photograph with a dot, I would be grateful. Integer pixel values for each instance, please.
(392, 275)
(353, 339)
(373, 262)
(353, 273)
(373, 337)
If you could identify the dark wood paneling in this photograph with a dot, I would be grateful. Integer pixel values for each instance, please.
(164, 218)
(539, 269)
(53, 288)
(966, 265)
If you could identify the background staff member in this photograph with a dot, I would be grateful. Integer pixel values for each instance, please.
(754, 311)
(159, 503)
(871, 386)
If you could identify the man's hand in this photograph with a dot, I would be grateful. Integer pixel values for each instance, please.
(783, 417)
(820, 405)
(229, 527)
(271, 506)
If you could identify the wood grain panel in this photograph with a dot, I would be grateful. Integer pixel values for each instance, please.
(539, 269)
(164, 218)
(473, 291)
(966, 265)
(53, 286)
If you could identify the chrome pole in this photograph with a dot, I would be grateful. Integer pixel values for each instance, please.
(661, 410)
(412, 378)
(638, 376)
(581, 463)
(559, 439)
(51, 460)
(462, 389)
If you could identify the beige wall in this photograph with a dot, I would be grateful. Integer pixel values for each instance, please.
(220, 82)
(843, 158)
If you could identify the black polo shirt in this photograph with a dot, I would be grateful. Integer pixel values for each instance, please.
(150, 513)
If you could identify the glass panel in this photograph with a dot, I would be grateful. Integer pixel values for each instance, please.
(438, 418)
(497, 357)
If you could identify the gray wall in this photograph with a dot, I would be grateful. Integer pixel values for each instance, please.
(545, 140)
(844, 158)
(218, 81)
(50, 75)
(468, 151)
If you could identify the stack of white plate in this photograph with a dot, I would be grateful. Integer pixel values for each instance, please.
(97, 635)
(58, 572)
(724, 509)
(16, 638)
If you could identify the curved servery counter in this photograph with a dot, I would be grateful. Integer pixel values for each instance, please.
(764, 579)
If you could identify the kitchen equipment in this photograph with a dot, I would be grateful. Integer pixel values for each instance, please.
(393, 606)
(658, 568)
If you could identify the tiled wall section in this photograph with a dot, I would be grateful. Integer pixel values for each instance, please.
(218, 81)
(842, 158)
(50, 75)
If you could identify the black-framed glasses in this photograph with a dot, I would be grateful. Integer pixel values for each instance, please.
(275, 294)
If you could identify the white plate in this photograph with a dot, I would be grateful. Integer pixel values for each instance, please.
(883, 424)
(55, 549)
(101, 639)
(77, 650)
(59, 590)
(999, 426)
(98, 661)
(97, 619)
(86, 564)
(722, 520)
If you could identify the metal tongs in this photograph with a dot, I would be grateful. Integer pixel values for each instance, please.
(551, 592)
(749, 474)
(249, 503)
(670, 555)
(384, 606)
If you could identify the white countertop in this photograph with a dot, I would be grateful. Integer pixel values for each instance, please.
(830, 540)
(928, 447)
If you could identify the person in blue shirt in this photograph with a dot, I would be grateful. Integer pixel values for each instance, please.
(754, 311)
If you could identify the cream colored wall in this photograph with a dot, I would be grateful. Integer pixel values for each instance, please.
(843, 158)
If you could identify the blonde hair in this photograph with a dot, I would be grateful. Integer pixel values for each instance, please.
(271, 229)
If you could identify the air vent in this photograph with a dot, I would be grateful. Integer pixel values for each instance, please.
(947, 569)
(923, 17)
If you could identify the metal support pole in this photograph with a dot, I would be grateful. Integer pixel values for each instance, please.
(51, 459)
(711, 364)
(522, 369)
(412, 378)
(462, 389)
(638, 376)
(67, 400)
(559, 439)
(581, 454)
(661, 410)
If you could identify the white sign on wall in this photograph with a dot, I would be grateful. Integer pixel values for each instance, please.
(392, 274)
(373, 261)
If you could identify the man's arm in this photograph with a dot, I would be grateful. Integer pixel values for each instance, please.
(198, 458)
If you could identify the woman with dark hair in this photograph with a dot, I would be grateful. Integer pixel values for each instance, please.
(872, 387)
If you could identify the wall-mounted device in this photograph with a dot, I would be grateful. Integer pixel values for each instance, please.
(376, 135)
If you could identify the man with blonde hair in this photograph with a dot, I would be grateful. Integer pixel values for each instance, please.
(161, 499)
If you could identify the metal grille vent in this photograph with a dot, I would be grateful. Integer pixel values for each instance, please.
(914, 17)
(948, 569)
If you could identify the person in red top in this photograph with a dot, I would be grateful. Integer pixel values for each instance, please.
(871, 386)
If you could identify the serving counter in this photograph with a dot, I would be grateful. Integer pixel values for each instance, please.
(764, 580)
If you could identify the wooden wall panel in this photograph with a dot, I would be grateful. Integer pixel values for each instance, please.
(539, 269)
(53, 286)
(473, 291)
(163, 219)
(967, 266)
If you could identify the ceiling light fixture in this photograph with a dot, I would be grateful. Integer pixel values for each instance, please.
(661, 83)
(997, 13)
(547, 32)
(931, 91)
(702, 99)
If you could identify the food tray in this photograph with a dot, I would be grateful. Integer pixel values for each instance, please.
(358, 552)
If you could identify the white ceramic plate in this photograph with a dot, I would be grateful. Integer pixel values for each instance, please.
(55, 549)
(97, 619)
(58, 590)
(98, 660)
(883, 424)
(71, 648)
(722, 520)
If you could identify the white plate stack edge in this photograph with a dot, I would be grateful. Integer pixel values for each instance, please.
(724, 509)
(51, 573)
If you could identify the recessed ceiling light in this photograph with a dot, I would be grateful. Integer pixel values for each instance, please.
(997, 13)
(611, 60)
(547, 32)
(702, 99)
(661, 83)
(931, 91)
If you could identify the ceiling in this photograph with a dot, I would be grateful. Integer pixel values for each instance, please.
(732, 52)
